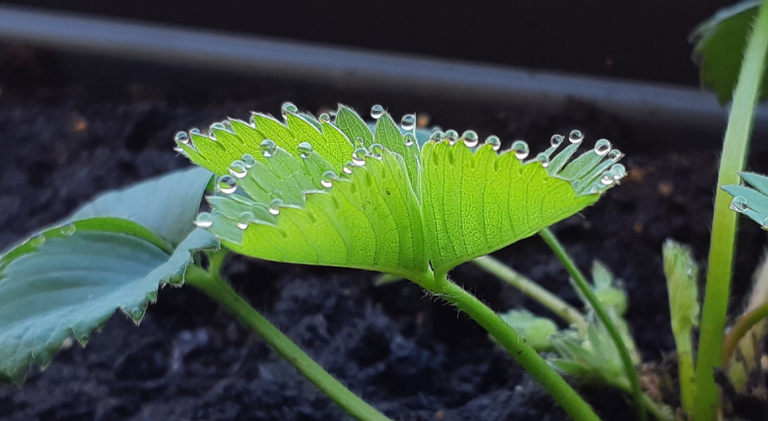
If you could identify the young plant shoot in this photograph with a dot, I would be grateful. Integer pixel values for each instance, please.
(334, 192)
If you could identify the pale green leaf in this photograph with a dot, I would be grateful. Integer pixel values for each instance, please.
(165, 205)
(535, 330)
(751, 201)
(73, 281)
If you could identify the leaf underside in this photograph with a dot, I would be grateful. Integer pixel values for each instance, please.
(68, 280)
(719, 48)
(378, 200)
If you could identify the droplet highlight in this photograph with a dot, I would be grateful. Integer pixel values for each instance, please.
(227, 184)
(408, 122)
(520, 148)
(470, 138)
(576, 136)
(556, 140)
(409, 140)
(204, 220)
(68, 230)
(328, 178)
(245, 219)
(288, 108)
(182, 137)
(602, 147)
(248, 160)
(274, 207)
(238, 169)
(268, 148)
(494, 141)
(358, 157)
(377, 111)
(305, 150)
(739, 204)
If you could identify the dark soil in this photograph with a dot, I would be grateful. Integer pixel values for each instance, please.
(413, 357)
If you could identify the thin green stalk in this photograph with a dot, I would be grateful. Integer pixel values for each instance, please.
(549, 300)
(583, 285)
(547, 377)
(743, 325)
(721, 248)
(686, 372)
(219, 290)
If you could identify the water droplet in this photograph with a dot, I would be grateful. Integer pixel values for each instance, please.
(83, 338)
(245, 219)
(576, 136)
(68, 230)
(437, 136)
(248, 160)
(409, 140)
(358, 157)
(376, 151)
(544, 159)
(212, 136)
(178, 149)
(152, 296)
(494, 141)
(325, 117)
(359, 142)
(602, 147)
(216, 126)
(177, 277)
(520, 148)
(274, 207)
(618, 171)
(268, 147)
(238, 169)
(36, 240)
(377, 111)
(348, 168)
(593, 190)
(327, 180)
(204, 220)
(470, 138)
(451, 136)
(195, 132)
(556, 140)
(615, 155)
(227, 184)
(288, 107)
(408, 122)
(227, 125)
(182, 137)
(305, 149)
(739, 204)
(137, 314)
(607, 178)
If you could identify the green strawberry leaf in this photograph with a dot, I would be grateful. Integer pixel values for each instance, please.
(111, 254)
(720, 42)
(346, 195)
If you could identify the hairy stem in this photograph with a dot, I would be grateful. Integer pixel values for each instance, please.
(613, 331)
(721, 247)
(547, 377)
(549, 300)
(742, 326)
(219, 290)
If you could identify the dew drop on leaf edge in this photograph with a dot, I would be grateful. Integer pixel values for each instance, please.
(227, 184)
(274, 207)
(358, 157)
(238, 169)
(268, 148)
(576, 136)
(204, 220)
(470, 138)
(451, 136)
(287, 108)
(327, 180)
(494, 141)
(68, 230)
(376, 151)
(556, 140)
(245, 219)
(377, 111)
(739, 204)
(182, 137)
(520, 148)
(305, 149)
(408, 122)
(602, 147)
(248, 160)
